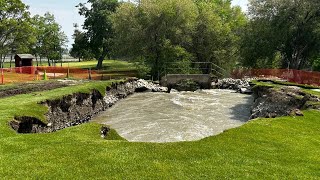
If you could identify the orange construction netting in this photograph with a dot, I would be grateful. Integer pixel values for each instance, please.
(290, 75)
(26, 74)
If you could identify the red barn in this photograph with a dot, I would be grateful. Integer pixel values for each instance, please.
(24, 63)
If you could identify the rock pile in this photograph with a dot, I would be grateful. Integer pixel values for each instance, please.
(271, 103)
(240, 85)
(148, 86)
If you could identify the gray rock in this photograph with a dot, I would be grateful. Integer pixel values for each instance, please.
(246, 91)
(235, 84)
(145, 86)
(297, 112)
(270, 103)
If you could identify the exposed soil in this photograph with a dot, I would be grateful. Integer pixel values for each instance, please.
(24, 88)
(288, 100)
(71, 110)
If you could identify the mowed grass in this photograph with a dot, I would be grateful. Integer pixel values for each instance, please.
(280, 148)
(112, 69)
(107, 64)
(110, 65)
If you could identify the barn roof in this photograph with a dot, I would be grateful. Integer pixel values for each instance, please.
(26, 56)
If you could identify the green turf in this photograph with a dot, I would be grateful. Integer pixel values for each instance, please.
(110, 65)
(281, 148)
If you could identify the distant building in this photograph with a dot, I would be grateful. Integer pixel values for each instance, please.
(22, 60)
(24, 63)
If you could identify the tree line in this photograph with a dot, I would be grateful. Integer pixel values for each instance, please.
(172, 35)
(176, 33)
(21, 33)
(161, 35)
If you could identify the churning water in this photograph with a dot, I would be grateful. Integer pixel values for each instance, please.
(180, 116)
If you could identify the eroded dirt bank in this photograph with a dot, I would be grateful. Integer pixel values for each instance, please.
(79, 108)
(288, 100)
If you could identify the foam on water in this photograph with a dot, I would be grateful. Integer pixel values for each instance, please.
(183, 116)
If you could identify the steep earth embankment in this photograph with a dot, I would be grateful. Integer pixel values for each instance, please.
(271, 102)
(78, 108)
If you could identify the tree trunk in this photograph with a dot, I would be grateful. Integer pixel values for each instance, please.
(37, 61)
(79, 59)
(1, 65)
(49, 64)
(2, 59)
(40, 61)
(100, 60)
(10, 60)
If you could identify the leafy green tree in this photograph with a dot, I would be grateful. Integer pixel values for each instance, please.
(158, 32)
(216, 36)
(15, 28)
(80, 48)
(98, 27)
(286, 27)
(51, 40)
(172, 34)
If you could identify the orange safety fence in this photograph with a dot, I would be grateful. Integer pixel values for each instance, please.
(290, 75)
(25, 74)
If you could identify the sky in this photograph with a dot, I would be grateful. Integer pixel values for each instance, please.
(66, 13)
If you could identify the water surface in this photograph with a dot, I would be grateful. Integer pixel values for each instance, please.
(181, 116)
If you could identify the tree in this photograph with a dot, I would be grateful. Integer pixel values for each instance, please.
(216, 36)
(98, 27)
(15, 29)
(156, 32)
(285, 29)
(50, 39)
(80, 48)
(175, 33)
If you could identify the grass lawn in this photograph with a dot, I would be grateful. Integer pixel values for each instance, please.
(112, 69)
(280, 148)
(108, 65)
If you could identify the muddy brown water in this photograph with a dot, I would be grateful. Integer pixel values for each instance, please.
(179, 116)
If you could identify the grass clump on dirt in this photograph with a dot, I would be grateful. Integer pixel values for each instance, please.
(280, 148)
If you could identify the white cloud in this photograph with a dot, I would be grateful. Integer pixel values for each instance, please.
(242, 3)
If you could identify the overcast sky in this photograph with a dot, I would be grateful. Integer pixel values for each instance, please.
(66, 13)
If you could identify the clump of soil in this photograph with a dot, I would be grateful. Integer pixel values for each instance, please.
(25, 88)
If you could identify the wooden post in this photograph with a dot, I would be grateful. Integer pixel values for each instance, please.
(2, 76)
(89, 72)
(68, 72)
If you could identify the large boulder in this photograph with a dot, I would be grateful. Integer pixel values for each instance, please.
(145, 86)
(240, 85)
